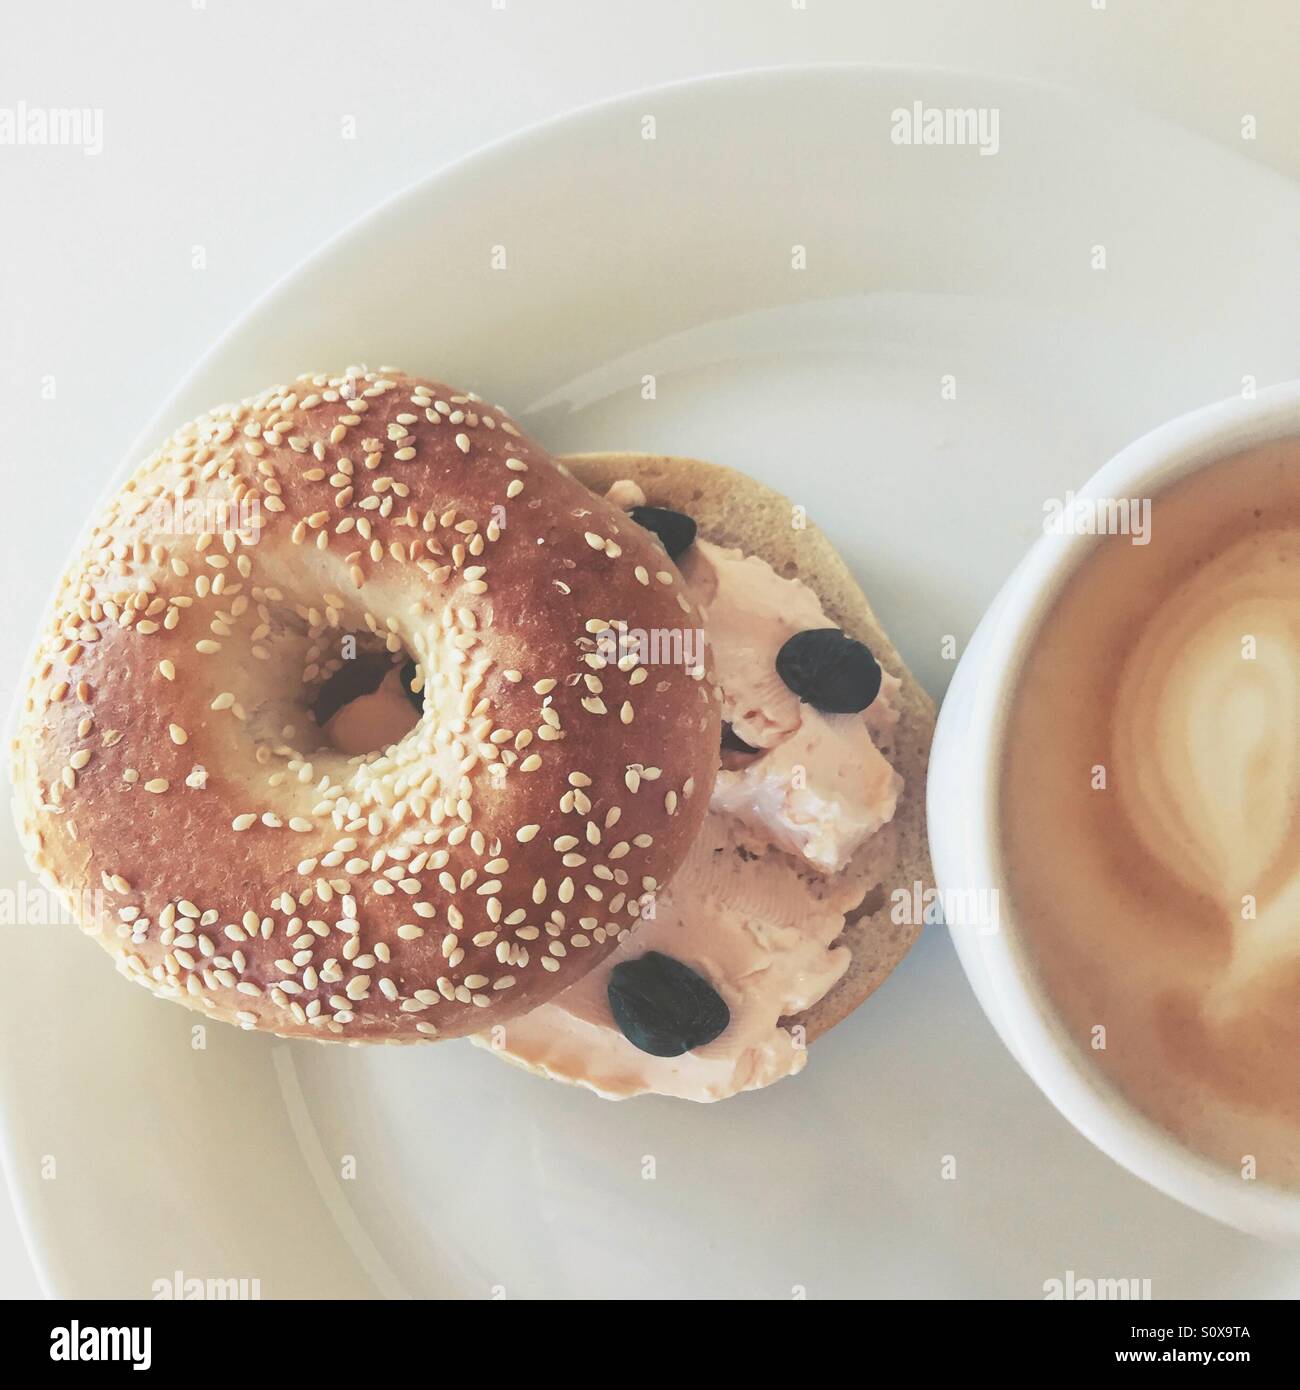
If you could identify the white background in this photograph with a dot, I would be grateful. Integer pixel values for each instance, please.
(225, 161)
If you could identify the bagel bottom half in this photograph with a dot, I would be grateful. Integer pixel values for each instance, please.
(733, 510)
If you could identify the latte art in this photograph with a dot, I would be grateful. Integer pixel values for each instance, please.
(1149, 811)
(1207, 724)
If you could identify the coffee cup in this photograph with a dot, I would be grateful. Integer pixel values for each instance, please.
(1023, 982)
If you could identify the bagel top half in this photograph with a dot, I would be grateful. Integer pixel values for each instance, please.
(169, 771)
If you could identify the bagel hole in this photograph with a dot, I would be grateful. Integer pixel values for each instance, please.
(367, 704)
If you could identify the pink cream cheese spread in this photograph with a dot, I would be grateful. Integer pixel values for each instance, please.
(761, 898)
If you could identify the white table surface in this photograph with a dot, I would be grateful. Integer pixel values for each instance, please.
(224, 129)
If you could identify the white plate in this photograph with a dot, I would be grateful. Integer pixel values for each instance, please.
(672, 258)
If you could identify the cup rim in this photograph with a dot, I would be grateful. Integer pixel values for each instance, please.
(1029, 1019)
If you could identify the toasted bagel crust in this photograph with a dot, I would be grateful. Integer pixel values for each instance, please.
(166, 756)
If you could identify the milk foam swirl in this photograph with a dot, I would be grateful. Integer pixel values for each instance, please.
(1206, 746)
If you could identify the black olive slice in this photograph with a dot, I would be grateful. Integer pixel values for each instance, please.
(833, 672)
(663, 1007)
(675, 530)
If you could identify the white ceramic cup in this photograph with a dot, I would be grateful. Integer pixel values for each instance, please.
(962, 808)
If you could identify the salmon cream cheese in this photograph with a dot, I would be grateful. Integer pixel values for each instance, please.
(761, 898)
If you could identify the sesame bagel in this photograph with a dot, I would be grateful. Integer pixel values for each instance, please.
(169, 767)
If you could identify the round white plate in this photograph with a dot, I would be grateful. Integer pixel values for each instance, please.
(913, 1157)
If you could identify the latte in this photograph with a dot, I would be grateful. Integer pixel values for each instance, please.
(1149, 833)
